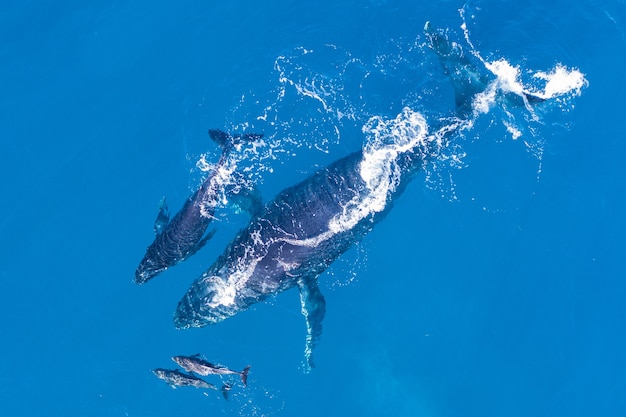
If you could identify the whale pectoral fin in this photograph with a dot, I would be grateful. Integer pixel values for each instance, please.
(163, 218)
(313, 309)
(226, 141)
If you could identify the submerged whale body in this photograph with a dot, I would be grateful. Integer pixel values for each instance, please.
(309, 225)
(184, 235)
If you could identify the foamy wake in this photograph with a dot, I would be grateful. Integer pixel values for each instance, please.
(220, 178)
(379, 169)
(558, 82)
(222, 291)
(561, 81)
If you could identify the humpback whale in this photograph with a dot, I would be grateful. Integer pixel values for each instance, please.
(179, 238)
(306, 227)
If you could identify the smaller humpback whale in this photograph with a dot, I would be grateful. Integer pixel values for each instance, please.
(200, 366)
(184, 235)
(175, 378)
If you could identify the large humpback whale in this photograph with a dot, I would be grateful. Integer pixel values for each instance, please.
(309, 225)
(184, 235)
(301, 232)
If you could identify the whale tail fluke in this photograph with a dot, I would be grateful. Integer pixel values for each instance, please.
(227, 141)
(244, 375)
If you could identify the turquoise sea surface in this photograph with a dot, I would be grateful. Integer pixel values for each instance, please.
(496, 286)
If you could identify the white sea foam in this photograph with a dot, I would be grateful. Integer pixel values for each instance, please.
(227, 290)
(561, 81)
(508, 76)
(311, 242)
(220, 177)
(513, 130)
(379, 169)
(224, 293)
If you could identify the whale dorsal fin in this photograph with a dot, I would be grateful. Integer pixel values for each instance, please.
(163, 218)
(313, 309)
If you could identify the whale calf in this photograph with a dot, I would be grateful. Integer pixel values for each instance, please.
(179, 238)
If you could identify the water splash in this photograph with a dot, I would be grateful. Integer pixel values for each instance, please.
(379, 169)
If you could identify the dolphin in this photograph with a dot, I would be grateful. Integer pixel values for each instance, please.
(200, 366)
(179, 238)
(308, 226)
(175, 378)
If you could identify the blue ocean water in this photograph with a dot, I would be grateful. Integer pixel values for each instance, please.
(494, 287)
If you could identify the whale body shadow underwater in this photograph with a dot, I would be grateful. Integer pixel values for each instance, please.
(291, 240)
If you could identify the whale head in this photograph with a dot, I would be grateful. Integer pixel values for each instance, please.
(210, 300)
(148, 269)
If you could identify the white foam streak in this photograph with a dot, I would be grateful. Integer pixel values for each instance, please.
(508, 76)
(514, 131)
(224, 293)
(220, 176)
(227, 290)
(561, 81)
(311, 242)
(483, 101)
(379, 168)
